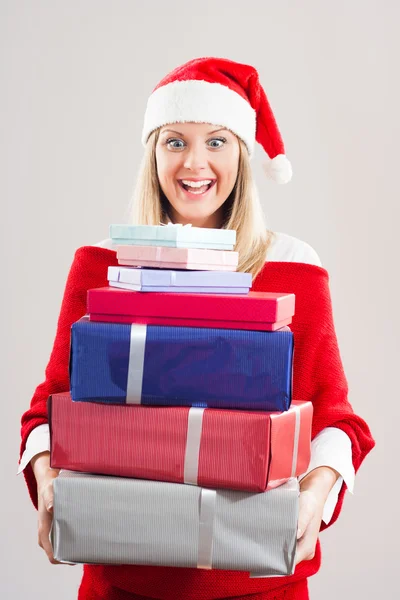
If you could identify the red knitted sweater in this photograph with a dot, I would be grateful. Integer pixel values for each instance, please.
(317, 376)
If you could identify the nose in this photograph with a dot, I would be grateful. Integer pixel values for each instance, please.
(195, 158)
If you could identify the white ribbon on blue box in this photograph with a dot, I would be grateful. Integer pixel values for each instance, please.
(136, 364)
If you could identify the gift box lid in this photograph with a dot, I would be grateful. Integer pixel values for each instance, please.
(256, 306)
(172, 234)
(177, 255)
(176, 278)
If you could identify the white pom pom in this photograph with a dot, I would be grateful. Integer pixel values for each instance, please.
(279, 169)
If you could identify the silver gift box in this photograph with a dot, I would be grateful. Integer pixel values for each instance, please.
(114, 520)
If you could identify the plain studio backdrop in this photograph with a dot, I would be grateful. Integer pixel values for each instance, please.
(75, 78)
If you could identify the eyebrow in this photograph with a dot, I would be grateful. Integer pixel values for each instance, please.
(183, 135)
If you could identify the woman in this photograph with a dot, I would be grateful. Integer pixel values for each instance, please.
(199, 131)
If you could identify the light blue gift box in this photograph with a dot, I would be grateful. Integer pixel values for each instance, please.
(173, 236)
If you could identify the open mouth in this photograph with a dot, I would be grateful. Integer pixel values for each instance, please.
(197, 188)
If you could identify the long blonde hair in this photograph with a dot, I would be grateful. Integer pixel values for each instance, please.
(243, 210)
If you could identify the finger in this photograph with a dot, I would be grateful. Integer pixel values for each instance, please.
(306, 513)
(305, 549)
(45, 521)
(47, 496)
(299, 555)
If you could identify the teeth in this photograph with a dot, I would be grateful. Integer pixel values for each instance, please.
(196, 184)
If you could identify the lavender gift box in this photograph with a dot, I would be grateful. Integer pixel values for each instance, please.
(165, 280)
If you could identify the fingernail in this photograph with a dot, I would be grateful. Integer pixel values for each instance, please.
(49, 506)
(299, 533)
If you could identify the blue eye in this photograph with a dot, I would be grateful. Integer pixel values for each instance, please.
(219, 142)
(175, 143)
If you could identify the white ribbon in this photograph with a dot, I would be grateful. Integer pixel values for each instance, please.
(206, 525)
(193, 438)
(296, 410)
(136, 364)
(169, 224)
(158, 255)
(172, 278)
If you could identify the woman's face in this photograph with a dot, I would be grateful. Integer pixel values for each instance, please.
(197, 166)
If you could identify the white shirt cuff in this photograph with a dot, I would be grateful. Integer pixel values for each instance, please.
(332, 448)
(38, 441)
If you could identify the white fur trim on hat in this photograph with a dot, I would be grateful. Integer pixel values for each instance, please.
(279, 169)
(200, 102)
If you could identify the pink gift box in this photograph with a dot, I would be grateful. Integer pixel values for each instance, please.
(195, 259)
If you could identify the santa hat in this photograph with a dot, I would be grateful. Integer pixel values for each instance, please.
(221, 92)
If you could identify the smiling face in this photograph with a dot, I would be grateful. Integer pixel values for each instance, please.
(197, 167)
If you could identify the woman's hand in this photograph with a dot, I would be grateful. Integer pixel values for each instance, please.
(45, 475)
(314, 490)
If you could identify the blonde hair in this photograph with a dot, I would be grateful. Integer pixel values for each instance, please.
(243, 210)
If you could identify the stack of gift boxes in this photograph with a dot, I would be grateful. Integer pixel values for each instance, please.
(179, 442)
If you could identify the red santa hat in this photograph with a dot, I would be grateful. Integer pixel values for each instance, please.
(221, 92)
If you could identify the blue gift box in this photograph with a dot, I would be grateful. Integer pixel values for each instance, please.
(181, 366)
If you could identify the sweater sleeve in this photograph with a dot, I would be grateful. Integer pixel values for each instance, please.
(332, 446)
(88, 270)
(319, 374)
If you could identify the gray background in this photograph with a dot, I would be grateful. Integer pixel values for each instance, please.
(75, 77)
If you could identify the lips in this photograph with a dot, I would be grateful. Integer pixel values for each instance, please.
(196, 190)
